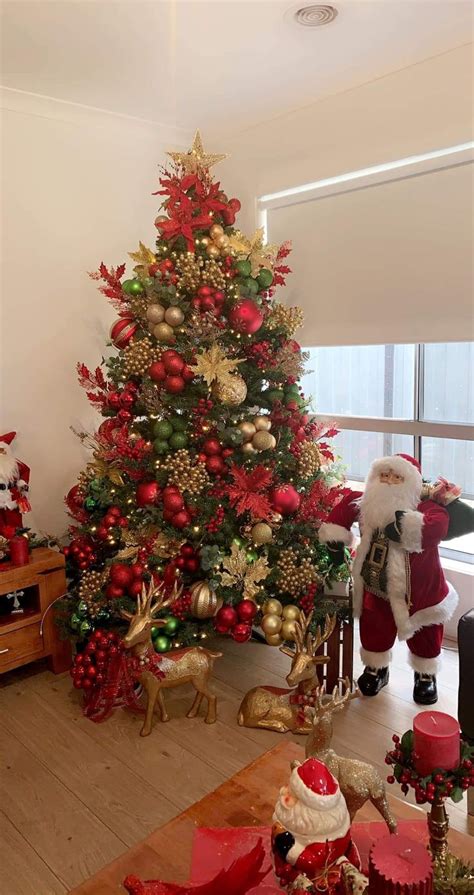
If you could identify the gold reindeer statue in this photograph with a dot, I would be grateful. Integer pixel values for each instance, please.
(194, 665)
(284, 710)
(359, 781)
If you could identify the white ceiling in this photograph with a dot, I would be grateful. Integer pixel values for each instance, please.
(217, 65)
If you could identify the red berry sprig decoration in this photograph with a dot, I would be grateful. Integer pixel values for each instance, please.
(438, 784)
(89, 667)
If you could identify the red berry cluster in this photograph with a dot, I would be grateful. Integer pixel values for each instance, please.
(123, 400)
(215, 523)
(228, 214)
(171, 372)
(124, 579)
(203, 407)
(164, 269)
(209, 299)
(88, 669)
(236, 621)
(175, 509)
(213, 454)
(262, 354)
(306, 602)
(181, 607)
(81, 552)
(429, 786)
(113, 519)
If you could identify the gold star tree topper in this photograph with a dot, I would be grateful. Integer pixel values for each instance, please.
(196, 160)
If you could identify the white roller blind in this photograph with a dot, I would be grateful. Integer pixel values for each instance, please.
(385, 262)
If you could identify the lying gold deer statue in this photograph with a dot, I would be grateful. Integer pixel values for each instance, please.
(283, 710)
(359, 781)
(194, 665)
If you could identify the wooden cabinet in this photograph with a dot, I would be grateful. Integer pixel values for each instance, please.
(29, 633)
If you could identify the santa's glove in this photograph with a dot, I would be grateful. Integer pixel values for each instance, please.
(282, 844)
(336, 552)
(394, 529)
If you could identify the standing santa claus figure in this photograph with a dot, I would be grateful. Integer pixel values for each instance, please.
(14, 479)
(311, 832)
(399, 585)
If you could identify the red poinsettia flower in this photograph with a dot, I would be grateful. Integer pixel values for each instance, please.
(246, 493)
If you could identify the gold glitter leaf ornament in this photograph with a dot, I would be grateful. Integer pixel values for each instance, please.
(214, 365)
(144, 256)
(254, 250)
(239, 573)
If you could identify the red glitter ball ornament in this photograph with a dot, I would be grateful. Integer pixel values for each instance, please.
(174, 384)
(246, 610)
(173, 502)
(212, 446)
(246, 317)
(147, 494)
(241, 632)
(226, 617)
(120, 574)
(181, 519)
(215, 465)
(285, 499)
(157, 371)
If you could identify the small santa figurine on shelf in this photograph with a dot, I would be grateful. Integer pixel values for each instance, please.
(399, 584)
(311, 832)
(14, 479)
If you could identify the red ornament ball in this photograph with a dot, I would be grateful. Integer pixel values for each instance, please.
(174, 364)
(215, 465)
(173, 502)
(246, 610)
(212, 446)
(187, 373)
(285, 499)
(226, 617)
(113, 592)
(120, 575)
(122, 331)
(135, 587)
(157, 371)
(241, 632)
(174, 384)
(147, 494)
(246, 317)
(181, 519)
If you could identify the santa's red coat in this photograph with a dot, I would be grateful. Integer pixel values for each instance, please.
(417, 590)
(316, 858)
(13, 501)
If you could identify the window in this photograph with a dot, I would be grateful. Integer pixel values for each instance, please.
(415, 399)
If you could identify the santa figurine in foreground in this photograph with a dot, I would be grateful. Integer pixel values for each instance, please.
(14, 479)
(311, 832)
(399, 584)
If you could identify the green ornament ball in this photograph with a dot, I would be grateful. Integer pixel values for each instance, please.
(243, 268)
(274, 395)
(155, 631)
(251, 555)
(172, 625)
(75, 622)
(85, 628)
(178, 440)
(90, 503)
(163, 429)
(178, 423)
(292, 390)
(81, 608)
(161, 644)
(251, 286)
(239, 542)
(132, 287)
(160, 446)
(265, 278)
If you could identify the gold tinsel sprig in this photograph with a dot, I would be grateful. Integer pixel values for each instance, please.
(289, 319)
(309, 459)
(186, 474)
(295, 574)
(290, 362)
(138, 357)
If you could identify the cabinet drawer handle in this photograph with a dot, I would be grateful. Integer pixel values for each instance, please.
(4, 651)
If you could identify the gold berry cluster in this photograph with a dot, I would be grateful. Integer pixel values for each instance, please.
(138, 357)
(186, 475)
(289, 319)
(190, 267)
(90, 587)
(213, 275)
(294, 573)
(309, 459)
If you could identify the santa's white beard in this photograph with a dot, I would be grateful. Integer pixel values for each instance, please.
(313, 824)
(8, 468)
(381, 501)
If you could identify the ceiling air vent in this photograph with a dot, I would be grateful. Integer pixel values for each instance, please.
(315, 15)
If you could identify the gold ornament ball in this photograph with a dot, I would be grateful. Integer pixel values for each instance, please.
(248, 430)
(248, 448)
(231, 392)
(271, 624)
(204, 602)
(288, 629)
(272, 607)
(174, 316)
(222, 241)
(205, 241)
(216, 231)
(263, 441)
(263, 422)
(212, 251)
(155, 313)
(291, 612)
(163, 332)
(261, 533)
(273, 639)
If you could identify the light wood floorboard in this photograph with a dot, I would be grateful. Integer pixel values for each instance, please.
(75, 794)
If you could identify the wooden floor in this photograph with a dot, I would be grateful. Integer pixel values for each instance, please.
(74, 794)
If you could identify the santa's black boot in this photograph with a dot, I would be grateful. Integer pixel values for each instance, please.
(372, 680)
(425, 691)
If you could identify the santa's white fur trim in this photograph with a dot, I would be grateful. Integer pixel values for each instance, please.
(313, 799)
(376, 660)
(402, 467)
(411, 526)
(425, 666)
(329, 531)
(432, 615)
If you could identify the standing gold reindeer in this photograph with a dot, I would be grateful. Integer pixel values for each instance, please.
(283, 710)
(359, 781)
(193, 665)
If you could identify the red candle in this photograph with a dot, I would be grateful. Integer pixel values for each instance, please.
(400, 866)
(19, 551)
(437, 742)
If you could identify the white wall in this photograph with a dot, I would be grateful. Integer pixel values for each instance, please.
(77, 188)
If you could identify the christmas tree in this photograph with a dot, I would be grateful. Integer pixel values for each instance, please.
(207, 472)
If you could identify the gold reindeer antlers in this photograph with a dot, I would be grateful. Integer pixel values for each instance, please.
(334, 703)
(305, 642)
(145, 606)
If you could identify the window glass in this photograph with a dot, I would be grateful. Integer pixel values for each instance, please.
(449, 382)
(451, 458)
(362, 380)
(359, 449)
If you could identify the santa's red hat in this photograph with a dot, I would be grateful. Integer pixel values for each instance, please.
(314, 785)
(8, 437)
